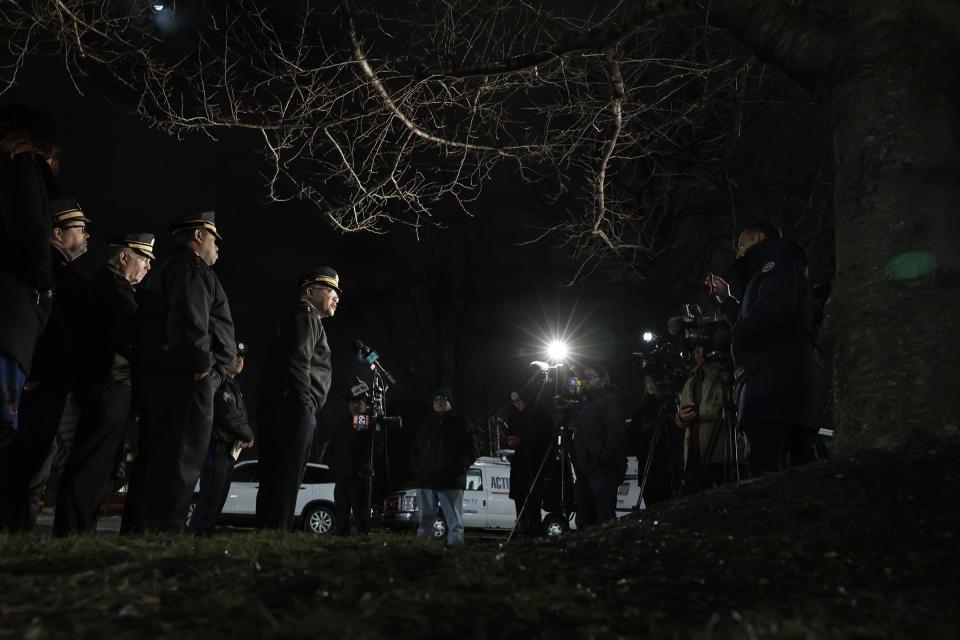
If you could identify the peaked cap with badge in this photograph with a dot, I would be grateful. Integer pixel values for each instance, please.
(324, 276)
(67, 210)
(142, 243)
(205, 220)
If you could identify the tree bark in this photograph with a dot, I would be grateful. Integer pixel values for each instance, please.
(894, 99)
(894, 313)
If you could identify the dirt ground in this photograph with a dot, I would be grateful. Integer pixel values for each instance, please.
(853, 548)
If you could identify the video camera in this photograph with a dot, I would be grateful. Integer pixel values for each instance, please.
(569, 382)
(709, 330)
(660, 359)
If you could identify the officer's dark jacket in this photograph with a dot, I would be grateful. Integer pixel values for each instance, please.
(349, 451)
(184, 310)
(772, 336)
(601, 433)
(441, 452)
(63, 346)
(298, 359)
(230, 421)
(26, 225)
(114, 314)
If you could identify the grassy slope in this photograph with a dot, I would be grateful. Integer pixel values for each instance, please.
(848, 548)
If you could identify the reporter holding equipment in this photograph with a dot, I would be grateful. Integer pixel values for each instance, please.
(772, 347)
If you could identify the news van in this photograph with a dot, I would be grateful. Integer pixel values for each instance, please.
(487, 504)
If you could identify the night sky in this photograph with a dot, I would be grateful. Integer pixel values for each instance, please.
(130, 178)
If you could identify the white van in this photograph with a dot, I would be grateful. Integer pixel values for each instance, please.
(487, 504)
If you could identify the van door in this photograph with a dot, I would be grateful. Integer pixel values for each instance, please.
(474, 509)
(501, 512)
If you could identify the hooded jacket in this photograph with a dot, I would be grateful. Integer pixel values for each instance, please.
(772, 336)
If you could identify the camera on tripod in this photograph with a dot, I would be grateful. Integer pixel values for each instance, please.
(566, 377)
(667, 365)
(708, 330)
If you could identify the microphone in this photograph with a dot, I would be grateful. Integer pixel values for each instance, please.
(373, 359)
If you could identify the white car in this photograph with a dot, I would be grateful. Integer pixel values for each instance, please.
(487, 504)
(314, 510)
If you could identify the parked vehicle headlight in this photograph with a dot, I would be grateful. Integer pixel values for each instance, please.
(408, 503)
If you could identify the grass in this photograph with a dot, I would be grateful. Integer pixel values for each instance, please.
(848, 548)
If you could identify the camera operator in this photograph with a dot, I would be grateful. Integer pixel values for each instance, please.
(706, 440)
(772, 329)
(349, 456)
(599, 449)
(528, 434)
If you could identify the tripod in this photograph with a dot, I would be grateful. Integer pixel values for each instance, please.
(555, 472)
(380, 422)
(665, 412)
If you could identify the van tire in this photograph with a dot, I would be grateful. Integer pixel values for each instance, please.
(554, 525)
(440, 527)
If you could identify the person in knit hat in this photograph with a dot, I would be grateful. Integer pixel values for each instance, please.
(442, 451)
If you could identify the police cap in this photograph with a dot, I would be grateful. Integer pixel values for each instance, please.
(142, 243)
(205, 220)
(323, 276)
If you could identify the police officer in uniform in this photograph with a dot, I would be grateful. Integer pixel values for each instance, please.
(60, 350)
(772, 346)
(183, 347)
(104, 391)
(294, 387)
(231, 433)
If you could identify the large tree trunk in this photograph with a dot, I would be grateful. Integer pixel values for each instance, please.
(894, 313)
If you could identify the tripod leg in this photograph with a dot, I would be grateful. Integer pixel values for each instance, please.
(526, 500)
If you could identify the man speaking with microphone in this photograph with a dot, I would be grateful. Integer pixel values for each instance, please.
(294, 387)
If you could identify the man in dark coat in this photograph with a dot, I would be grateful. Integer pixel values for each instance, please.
(27, 160)
(57, 357)
(441, 453)
(349, 458)
(528, 435)
(231, 434)
(294, 388)
(104, 391)
(772, 346)
(184, 345)
(599, 449)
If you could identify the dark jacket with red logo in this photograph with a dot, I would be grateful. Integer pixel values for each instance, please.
(772, 337)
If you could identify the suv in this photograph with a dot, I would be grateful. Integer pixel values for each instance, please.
(487, 504)
(314, 510)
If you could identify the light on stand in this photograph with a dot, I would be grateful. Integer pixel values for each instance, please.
(557, 351)
(648, 336)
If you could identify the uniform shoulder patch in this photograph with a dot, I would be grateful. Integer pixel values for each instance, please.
(769, 266)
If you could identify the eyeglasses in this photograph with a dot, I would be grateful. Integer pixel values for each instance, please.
(81, 227)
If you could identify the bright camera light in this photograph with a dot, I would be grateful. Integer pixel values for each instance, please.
(557, 350)
(158, 6)
(648, 336)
